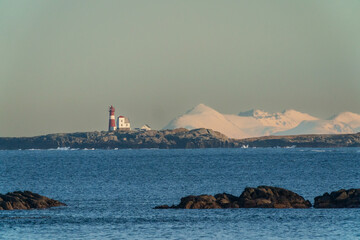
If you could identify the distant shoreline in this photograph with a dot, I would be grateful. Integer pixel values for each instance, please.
(173, 139)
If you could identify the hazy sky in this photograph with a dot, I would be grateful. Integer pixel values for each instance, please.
(62, 63)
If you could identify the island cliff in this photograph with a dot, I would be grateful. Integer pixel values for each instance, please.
(169, 139)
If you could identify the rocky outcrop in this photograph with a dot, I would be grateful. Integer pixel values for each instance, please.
(177, 138)
(271, 197)
(339, 199)
(223, 200)
(309, 140)
(260, 197)
(26, 200)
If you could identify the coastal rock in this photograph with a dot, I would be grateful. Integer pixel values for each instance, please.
(339, 199)
(26, 200)
(260, 197)
(271, 197)
(223, 200)
(309, 140)
(170, 139)
(226, 200)
(165, 139)
(199, 202)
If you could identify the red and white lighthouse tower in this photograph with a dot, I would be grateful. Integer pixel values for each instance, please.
(112, 126)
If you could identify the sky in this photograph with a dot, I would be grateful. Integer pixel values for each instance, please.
(63, 62)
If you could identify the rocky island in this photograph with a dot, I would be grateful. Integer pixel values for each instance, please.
(339, 199)
(260, 197)
(170, 139)
(268, 197)
(26, 200)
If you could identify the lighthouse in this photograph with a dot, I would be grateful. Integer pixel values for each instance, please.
(112, 126)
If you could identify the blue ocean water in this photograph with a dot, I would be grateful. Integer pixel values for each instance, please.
(111, 193)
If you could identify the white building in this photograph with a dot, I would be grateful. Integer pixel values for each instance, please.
(123, 123)
(145, 128)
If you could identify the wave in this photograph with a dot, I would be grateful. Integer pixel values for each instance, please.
(62, 149)
(318, 150)
(51, 149)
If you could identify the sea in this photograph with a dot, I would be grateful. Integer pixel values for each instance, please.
(111, 194)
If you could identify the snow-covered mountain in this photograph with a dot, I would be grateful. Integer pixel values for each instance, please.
(318, 127)
(203, 116)
(352, 119)
(255, 123)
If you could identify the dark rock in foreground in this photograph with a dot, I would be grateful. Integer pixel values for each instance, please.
(223, 200)
(339, 199)
(271, 197)
(26, 200)
(260, 197)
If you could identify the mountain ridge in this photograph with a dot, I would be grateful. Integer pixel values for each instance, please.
(256, 123)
